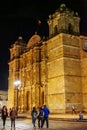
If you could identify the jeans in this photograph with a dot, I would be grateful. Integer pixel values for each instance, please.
(4, 120)
(33, 121)
(13, 123)
(40, 122)
(45, 119)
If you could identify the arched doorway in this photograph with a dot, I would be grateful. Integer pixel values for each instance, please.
(28, 101)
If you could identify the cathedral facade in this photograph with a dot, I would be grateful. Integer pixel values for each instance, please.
(52, 71)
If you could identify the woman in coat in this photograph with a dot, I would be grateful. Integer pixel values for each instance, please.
(4, 115)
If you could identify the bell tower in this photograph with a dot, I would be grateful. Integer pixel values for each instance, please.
(17, 48)
(14, 68)
(63, 21)
(64, 65)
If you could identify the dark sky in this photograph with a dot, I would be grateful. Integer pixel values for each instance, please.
(21, 16)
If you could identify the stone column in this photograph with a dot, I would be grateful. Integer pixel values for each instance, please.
(37, 95)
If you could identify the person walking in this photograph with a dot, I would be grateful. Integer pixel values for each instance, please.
(73, 110)
(80, 116)
(34, 116)
(46, 116)
(13, 116)
(4, 114)
(40, 116)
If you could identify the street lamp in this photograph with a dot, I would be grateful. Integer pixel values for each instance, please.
(17, 84)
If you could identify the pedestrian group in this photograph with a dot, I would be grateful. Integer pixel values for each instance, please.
(12, 113)
(42, 115)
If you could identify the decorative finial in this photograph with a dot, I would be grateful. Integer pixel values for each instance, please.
(35, 32)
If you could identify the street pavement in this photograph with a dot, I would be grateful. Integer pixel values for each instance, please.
(21, 124)
(56, 122)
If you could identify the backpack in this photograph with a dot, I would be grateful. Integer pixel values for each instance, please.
(35, 114)
(41, 114)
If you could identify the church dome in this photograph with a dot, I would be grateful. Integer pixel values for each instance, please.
(20, 41)
(33, 40)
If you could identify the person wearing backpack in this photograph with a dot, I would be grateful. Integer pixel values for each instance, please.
(34, 116)
(46, 116)
(13, 116)
(40, 117)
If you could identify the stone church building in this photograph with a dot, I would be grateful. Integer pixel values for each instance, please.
(52, 71)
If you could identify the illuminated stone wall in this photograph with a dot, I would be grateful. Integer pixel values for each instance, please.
(83, 55)
(53, 71)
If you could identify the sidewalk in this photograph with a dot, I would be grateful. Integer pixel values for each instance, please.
(66, 117)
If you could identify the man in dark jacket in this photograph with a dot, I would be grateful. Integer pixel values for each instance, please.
(13, 115)
(40, 116)
(46, 116)
(34, 116)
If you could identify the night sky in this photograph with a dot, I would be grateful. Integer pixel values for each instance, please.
(20, 18)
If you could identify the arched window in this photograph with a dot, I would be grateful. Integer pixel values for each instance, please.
(55, 30)
(70, 28)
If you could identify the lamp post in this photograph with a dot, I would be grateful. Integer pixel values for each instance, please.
(17, 84)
